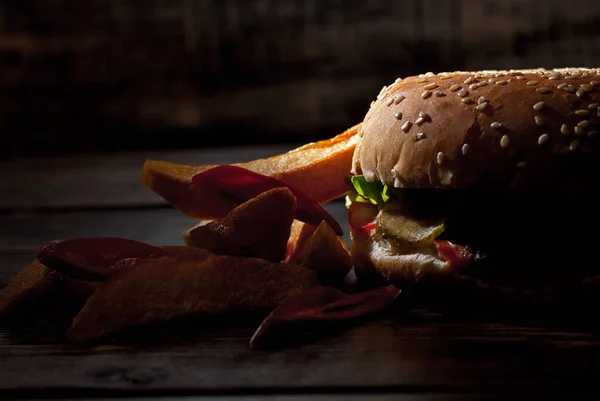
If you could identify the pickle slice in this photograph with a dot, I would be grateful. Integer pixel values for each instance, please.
(408, 229)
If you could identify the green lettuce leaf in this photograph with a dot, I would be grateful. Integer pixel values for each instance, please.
(365, 192)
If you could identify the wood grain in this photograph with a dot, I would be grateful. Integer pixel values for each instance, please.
(399, 354)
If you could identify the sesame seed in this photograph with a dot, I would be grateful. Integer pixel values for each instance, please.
(492, 80)
(481, 100)
(521, 165)
(593, 106)
(579, 131)
(454, 88)
(563, 85)
(420, 121)
(444, 77)
(482, 106)
(533, 82)
(467, 100)
(543, 139)
(406, 126)
(504, 141)
(389, 101)
(429, 74)
(399, 99)
(571, 77)
(398, 80)
(465, 149)
(539, 120)
(432, 85)
(580, 92)
(592, 134)
(426, 94)
(586, 87)
(420, 136)
(440, 157)
(585, 74)
(521, 78)
(538, 106)
(423, 114)
(469, 80)
(422, 80)
(570, 89)
(543, 89)
(582, 113)
(565, 130)
(462, 93)
(495, 125)
(502, 82)
(372, 103)
(438, 93)
(584, 123)
(473, 86)
(398, 115)
(481, 84)
(594, 83)
(573, 145)
(381, 92)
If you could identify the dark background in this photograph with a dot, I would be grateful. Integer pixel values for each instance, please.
(105, 75)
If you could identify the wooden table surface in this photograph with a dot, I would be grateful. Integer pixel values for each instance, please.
(421, 357)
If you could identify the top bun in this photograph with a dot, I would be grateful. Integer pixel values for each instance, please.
(495, 129)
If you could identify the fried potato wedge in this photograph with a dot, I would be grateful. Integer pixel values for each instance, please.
(257, 228)
(325, 253)
(300, 233)
(185, 252)
(36, 283)
(317, 169)
(165, 288)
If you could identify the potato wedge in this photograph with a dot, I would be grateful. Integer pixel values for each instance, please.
(185, 252)
(317, 169)
(257, 228)
(325, 253)
(36, 283)
(166, 288)
(299, 234)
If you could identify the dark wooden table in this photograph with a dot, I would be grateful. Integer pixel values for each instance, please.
(425, 357)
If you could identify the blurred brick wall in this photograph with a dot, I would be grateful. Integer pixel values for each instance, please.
(110, 74)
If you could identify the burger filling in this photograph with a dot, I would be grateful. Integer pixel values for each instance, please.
(521, 239)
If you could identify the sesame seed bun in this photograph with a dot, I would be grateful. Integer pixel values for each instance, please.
(500, 129)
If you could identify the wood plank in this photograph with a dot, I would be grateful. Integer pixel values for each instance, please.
(397, 354)
(26, 231)
(547, 396)
(345, 396)
(72, 395)
(106, 180)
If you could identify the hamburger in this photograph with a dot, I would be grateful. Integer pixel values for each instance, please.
(485, 182)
